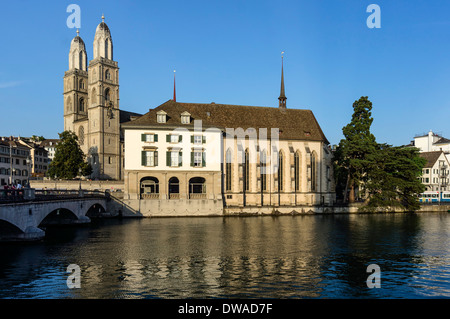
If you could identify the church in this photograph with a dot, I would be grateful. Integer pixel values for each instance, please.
(186, 158)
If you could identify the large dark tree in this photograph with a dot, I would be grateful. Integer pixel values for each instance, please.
(69, 161)
(387, 176)
(353, 152)
(393, 180)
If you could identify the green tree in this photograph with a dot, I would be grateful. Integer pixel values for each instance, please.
(393, 180)
(69, 161)
(354, 151)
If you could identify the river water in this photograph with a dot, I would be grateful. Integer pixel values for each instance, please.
(313, 256)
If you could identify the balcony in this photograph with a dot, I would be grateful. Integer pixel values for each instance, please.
(150, 196)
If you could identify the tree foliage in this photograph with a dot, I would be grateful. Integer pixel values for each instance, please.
(354, 150)
(393, 179)
(386, 176)
(69, 161)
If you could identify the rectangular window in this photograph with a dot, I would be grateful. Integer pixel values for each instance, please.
(161, 118)
(149, 158)
(198, 139)
(198, 159)
(174, 158)
(149, 138)
(185, 119)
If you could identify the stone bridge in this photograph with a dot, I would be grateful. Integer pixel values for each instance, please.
(23, 219)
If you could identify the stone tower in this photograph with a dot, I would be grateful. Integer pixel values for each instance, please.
(95, 117)
(76, 84)
(103, 111)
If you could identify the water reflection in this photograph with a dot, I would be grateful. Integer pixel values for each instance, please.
(252, 257)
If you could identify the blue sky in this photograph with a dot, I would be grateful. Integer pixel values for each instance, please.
(229, 52)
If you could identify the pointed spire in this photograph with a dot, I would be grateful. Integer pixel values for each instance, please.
(174, 88)
(282, 99)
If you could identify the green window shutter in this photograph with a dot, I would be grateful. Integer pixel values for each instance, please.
(144, 158)
(168, 158)
(155, 160)
(192, 138)
(192, 158)
(142, 137)
(155, 137)
(203, 159)
(203, 139)
(180, 159)
(180, 138)
(168, 138)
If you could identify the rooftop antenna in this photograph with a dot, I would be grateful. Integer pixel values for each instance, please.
(174, 87)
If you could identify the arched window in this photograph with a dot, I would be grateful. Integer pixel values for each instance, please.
(246, 170)
(81, 135)
(107, 95)
(107, 75)
(174, 187)
(228, 160)
(149, 187)
(81, 108)
(81, 85)
(94, 96)
(280, 171)
(106, 49)
(197, 188)
(313, 172)
(297, 171)
(80, 59)
(263, 168)
(69, 104)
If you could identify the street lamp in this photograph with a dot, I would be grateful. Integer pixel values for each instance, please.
(28, 171)
(10, 164)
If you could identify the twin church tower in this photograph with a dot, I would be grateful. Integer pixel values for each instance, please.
(91, 104)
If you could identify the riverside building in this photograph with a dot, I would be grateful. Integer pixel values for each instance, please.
(195, 158)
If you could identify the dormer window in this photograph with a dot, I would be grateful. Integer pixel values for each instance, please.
(185, 118)
(161, 117)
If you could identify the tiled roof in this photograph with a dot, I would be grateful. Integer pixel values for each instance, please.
(442, 140)
(293, 124)
(431, 158)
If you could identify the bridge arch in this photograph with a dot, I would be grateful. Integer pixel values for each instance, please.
(95, 210)
(59, 216)
(9, 230)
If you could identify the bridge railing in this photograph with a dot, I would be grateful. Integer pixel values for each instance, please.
(28, 194)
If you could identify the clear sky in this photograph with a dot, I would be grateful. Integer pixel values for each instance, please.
(229, 52)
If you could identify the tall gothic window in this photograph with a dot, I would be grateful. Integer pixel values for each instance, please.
(280, 171)
(107, 95)
(263, 168)
(106, 49)
(246, 170)
(228, 160)
(94, 96)
(81, 105)
(313, 172)
(297, 171)
(107, 75)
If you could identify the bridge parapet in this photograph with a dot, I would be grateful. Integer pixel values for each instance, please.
(31, 194)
